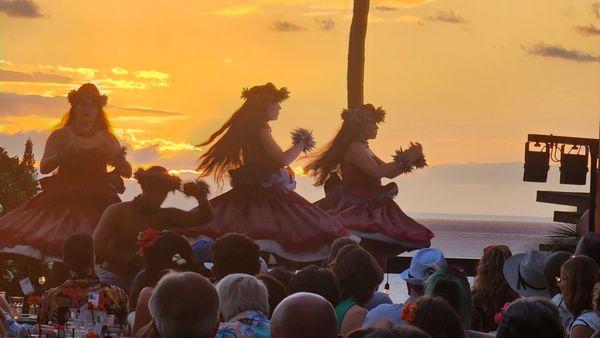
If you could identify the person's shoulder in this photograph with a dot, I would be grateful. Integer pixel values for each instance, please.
(59, 133)
(357, 146)
(590, 319)
(117, 208)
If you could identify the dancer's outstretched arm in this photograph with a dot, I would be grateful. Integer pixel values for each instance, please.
(362, 157)
(122, 166)
(200, 215)
(272, 149)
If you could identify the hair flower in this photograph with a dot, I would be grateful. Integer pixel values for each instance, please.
(177, 259)
(500, 315)
(147, 239)
(409, 313)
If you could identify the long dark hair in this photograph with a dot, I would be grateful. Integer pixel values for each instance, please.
(87, 91)
(352, 130)
(580, 273)
(226, 153)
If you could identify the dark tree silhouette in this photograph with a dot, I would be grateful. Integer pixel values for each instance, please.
(356, 53)
(18, 179)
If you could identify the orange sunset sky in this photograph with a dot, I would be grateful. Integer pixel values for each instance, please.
(468, 79)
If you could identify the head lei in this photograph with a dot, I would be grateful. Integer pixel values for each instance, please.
(366, 113)
(265, 94)
(87, 93)
(157, 177)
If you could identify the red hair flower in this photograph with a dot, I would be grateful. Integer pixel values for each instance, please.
(498, 316)
(33, 300)
(409, 312)
(147, 239)
(91, 334)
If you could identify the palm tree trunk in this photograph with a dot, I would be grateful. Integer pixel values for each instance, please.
(356, 53)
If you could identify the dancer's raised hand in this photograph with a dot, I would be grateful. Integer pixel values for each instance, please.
(198, 189)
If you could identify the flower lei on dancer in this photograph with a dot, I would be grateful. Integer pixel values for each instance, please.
(351, 175)
(262, 203)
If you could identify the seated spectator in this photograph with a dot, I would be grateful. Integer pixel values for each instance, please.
(316, 280)
(335, 247)
(435, 316)
(596, 305)
(552, 274)
(184, 304)
(490, 289)
(530, 318)
(524, 273)
(244, 307)
(304, 315)
(277, 291)
(422, 265)
(453, 286)
(358, 275)
(281, 274)
(577, 279)
(170, 252)
(405, 331)
(379, 298)
(589, 245)
(235, 253)
(78, 255)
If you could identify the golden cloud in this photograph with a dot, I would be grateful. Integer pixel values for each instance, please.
(239, 10)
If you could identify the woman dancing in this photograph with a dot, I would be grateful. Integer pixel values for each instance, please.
(75, 196)
(262, 203)
(358, 200)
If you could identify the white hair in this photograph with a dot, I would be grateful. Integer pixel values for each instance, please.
(240, 292)
(184, 304)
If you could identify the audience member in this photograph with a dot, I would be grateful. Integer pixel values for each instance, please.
(335, 247)
(183, 304)
(524, 273)
(316, 280)
(453, 286)
(281, 274)
(235, 253)
(435, 316)
(304, 315)
(244, 307)
(358, 275)
(596, 305)
(78, 255)
(533, 317)
(589, 245)
(277, 291)
(577, 279)
(404, 331)
(552, 274)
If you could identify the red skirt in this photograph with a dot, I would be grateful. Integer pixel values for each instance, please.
(39, 227)
(278, 219)
(376, 217)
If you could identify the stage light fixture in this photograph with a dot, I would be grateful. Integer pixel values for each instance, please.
(536, 163)
(574, 165)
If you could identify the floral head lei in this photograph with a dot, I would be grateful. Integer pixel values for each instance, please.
(267, 93)
(157, 177)
(409, 312)
(87, 93)
(366, 113)
(147, 239)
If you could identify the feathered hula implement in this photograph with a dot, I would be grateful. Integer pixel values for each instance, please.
(406, 164)
(305, 136)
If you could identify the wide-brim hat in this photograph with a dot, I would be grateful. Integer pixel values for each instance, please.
(524, 273)
(422, 265)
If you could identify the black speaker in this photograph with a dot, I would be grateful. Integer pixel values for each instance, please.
(574, 166)
(537, 163)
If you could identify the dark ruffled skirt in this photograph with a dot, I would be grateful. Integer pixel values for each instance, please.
(376, 217)
(39, 227)
(278, 219)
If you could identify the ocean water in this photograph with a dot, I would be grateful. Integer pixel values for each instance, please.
(465, 236)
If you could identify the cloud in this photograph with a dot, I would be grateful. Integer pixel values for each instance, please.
(20, 8)
(554, 51)
(21, 105)
(152, 74)
(119, 71)
(326, 24)
(590, 30)
(384, 8)
(228, 60)
(87, 73)
(239, 10)
(146, 110)
(14, 76)
(596, 10)
(448, 17)
(286, 26)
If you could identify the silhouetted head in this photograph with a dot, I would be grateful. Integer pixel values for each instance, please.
(156, 183)
(530, 317)
(577, 279)
(304, 315)
(235, 253)
(316, 280)
(87, 108)
(436, 317)
(78, 253)
(552, 270)
(589, 245)
(357, 273)
(359, 125)
(335, 247)
(240, 292)
(281, 274)
(453, 286)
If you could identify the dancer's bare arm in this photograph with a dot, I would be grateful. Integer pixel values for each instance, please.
(273, 150)
(51, 158)
(122, 167)
(200, 215)
(104, 233)
(359, 155)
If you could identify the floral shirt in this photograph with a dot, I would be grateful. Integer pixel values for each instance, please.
(248, 324)
(75, 292)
